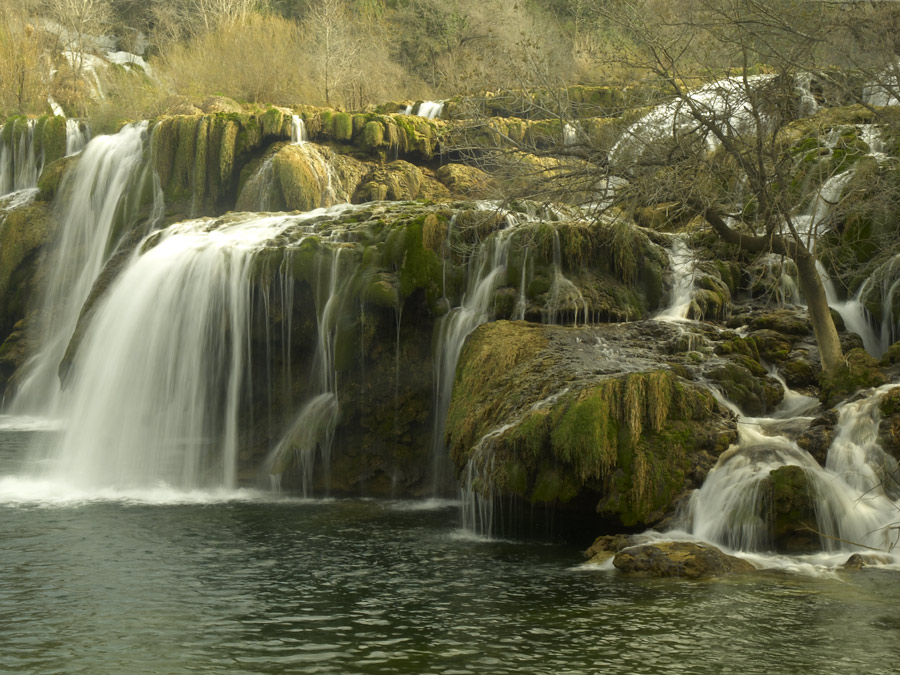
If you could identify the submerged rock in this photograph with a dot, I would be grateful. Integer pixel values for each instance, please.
(858, 561)
(679, 559)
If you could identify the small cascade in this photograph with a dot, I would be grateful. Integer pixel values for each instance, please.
(298, 130)
(808, 105)
(682, 262)
(856, 495)
(96, 187)
(854, 314)
(890, 280)
(570, 134)
(813, 222)
(563, 294)
(779, 273)
(726, 101)
(20, 165)
(157, 383)
(479, 498)
(258, 193)
(486, 271)
(522, 298)
(313, 429)
(428, 109)
(77, 137)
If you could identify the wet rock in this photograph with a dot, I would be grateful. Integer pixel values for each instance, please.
(858, 561)
(398, 181)
(787, 321)
(606, 546)
(465, 180)
(818, 436)
(858, 371)
(687, 560)
(548, 414)
(791, 511)
(745, 382)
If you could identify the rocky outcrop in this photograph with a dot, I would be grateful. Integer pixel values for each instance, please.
(549, 415)
(687, 560)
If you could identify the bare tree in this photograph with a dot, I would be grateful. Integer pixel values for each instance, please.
(336, 47)
(724, 147)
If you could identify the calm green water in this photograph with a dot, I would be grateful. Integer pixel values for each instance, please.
(268, 586)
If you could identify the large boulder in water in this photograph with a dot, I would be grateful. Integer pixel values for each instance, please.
(684, 559)
(583, 418)
(791, 511)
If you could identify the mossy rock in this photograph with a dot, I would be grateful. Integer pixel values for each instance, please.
(53, 139)
(773, 346)
(791, 511)
(687, 560)
(743, 384)
(52, 176)
(302, 188)
(24, 232)
(398, 181)
(785, 321)
(858, 371)
(626, 442)
(466, 181)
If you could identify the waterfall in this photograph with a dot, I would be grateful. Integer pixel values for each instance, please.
(486, 270)
(727, 101)
(856, 494)
(87, 216)
(428, 109)
(156, 385)
(854, 314)
(682, 262)
(314, 426)
(20, 166)
(77, 137)
(562, 292)
(298, 130)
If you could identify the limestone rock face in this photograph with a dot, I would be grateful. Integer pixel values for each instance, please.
(398, 181)
(465, 180)
(679, 559)
(548, 414)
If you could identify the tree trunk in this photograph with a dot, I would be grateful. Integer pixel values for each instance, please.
(819, 313)
(830, 352)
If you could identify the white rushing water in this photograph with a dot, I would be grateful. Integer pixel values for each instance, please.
(82, 246)
(311, 435)
(20, 165)
(298, 130)
(486, 270)
(156, 386)
(856, 495)
(682, 262)
(727, 102)
(427, 109)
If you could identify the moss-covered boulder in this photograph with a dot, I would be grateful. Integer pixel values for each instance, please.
(545, 413)
(858, 371)
(466, 181)
(746, 383)
(791, 510)
(199, 158)
(398, 181)
(688, 560)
